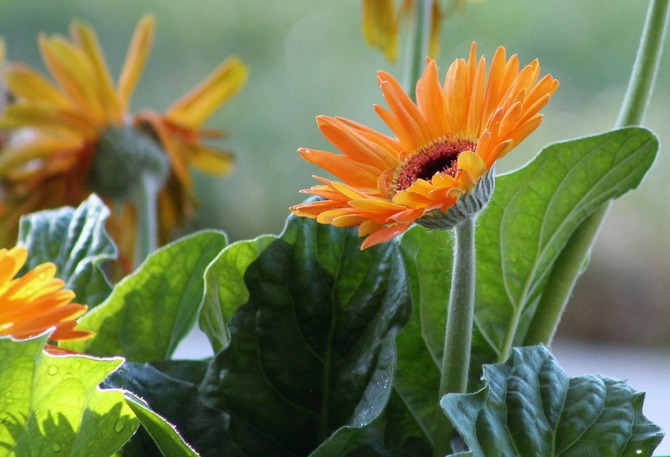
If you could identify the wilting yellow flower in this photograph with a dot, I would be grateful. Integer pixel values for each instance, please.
(36, 301)
(56, 130)
(381, 22)
(444, 143)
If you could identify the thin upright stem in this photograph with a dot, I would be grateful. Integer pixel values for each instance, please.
(146, 203)
(418, 43)
(570, 262)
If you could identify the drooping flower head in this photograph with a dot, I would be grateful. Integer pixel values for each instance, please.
(36, 301)
(65, 136)
(443, 145)
(382, 22)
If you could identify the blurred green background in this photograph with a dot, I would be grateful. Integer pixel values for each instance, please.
(308, 57)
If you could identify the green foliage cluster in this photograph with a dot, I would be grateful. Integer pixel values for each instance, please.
(319, 348)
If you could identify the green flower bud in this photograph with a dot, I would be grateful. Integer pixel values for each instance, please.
(467, 207)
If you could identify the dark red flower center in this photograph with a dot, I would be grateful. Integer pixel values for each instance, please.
(440, 157)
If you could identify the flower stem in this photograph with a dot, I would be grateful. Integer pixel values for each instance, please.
(570, 262)
(146, 203)
(460, 316)
(418, 43)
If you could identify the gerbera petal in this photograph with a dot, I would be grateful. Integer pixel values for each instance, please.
(88, 42)
(473, 165)
(198, 105)
(31, 304)
(384, 234)
(380, 26)
(13, 157)
(26, 84)
(18, 116)
(409, 119)
(431, 102)
(74, 73)
(213, 162)
(353, 143)
(361, 175)
(135, 60)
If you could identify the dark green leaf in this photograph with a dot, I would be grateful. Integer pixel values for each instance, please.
(76, 242)
(150, 311)
(530, 407)
(311, 352)
(531, 216)
(52, 406)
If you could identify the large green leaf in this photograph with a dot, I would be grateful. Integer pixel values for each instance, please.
(150, 311)
(225, 290)
(533, 213)
(74, 240)
(428, 259)
(310, 357)
(311, 353)
(52, 406)
(530, 407)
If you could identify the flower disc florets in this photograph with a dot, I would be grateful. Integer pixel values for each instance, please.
(439, 157)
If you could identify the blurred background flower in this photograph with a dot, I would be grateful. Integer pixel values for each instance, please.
(36, 301)
(383, 21)
(309, 60)
(68, 138)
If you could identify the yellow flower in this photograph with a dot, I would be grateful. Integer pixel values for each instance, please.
(444, 143)
(381, 22)
(35, 302)
(55, 130)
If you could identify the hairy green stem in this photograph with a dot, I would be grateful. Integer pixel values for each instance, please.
(570, 262)
(460, 314)
(458, 332)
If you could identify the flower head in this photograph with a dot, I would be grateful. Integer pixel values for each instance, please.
(443, 145)
(59, 132)
(36, 301)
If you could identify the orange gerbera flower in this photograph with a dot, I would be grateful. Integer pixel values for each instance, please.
(444, 144)
(56, 132)
(35, 302)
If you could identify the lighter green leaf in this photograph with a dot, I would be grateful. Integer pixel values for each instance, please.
(166, 437)
(225, 290)
(530, 407)
(74, 240)
(150, 311)
(533, 213)
(52, 406)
